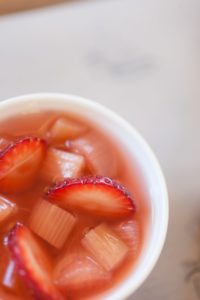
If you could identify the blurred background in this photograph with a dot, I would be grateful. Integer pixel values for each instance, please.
(12, 6)
(140, 58)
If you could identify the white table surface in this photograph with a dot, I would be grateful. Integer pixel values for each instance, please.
(140, 58)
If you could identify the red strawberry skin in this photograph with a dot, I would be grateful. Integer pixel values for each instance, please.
(32, 264)
(98, 195)
(20, 163)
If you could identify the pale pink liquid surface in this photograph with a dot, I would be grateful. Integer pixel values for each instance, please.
(38, 124)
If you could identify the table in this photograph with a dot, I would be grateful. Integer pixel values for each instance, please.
(141, 59)
(12, 6)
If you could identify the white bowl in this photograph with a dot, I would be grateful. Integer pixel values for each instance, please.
(153, 180)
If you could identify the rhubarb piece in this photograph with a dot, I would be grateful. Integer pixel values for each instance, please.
(64, 129)
(39, 130)
(129, 232)
(32, 263)
(100, 156)
(77, 271)
(20, 163)
(52, 223)
(61, 164)
(105, 246)
(100, 196)
(7, 208)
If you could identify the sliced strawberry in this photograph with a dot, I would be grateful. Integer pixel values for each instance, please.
(52, 223)
(7, 208)
(64, 129)
(101, 196)
(32, 263)
(60, 164)
(77, 271)
(129, 232)
(19, 164)
(100, 156)
(105, 246)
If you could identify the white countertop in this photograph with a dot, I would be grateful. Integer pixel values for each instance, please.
(140, 58)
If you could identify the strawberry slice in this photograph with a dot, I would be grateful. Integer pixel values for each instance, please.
(7, 208)
(32, 263)
(76, 271)
(105, 246)
(19, 164)
(100, 196)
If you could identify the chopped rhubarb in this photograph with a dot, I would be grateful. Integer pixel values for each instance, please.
(52, 223)
(77, 271)
(39, 130)
(61, 164)
(64, 129)
(101, 158)
(7, 208)
(32, 263)
(129, 232)
(105, 247)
